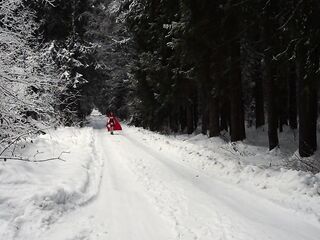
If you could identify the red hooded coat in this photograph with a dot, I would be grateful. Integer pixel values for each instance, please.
(115, 122)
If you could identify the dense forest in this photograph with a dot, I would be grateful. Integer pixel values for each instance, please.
(165, 65)
(224, 64)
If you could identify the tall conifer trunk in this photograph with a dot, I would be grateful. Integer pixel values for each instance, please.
(215, 75)
(258, 96)
(214, 129)
(237, 125)
(205, 119)
(225, 114)
(308, 100)
(190, 118)
(271, 106)
(292, 85)
(269, 46)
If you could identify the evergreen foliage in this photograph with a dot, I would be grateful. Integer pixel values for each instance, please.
(179, 65)
(218, 65)
(28, 80)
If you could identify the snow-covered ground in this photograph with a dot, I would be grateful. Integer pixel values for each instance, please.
(139, 185)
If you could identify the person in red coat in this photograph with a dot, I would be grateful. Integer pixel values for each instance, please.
(113, 124)
(110, 123)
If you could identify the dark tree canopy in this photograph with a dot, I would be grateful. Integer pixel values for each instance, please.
(218, 65)
(187, 66)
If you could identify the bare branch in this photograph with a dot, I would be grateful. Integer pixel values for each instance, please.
(291, 16)
(19, 137)
(50, 2)
(12, 158)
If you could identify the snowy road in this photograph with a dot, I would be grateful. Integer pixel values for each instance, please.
(138, 185)
(147, 195)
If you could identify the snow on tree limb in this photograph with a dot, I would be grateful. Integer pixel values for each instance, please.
(28, 78)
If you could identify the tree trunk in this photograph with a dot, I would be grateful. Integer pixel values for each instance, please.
(283, 94)
(292, 85)
(190, 120)
(271, 106)
(215, 75)
(195, 109)
(204, 93)
(173, 121)
(214, 129)
(225, 115)
(282, 107)
(205, 120)
(182, 119)
(269, 46)
(258, 97)
(308, 101)
(237, 125)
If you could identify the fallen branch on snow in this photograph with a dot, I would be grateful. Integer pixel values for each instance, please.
(16, 139)
(14, 158)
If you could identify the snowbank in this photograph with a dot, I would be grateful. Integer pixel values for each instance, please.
(35, 195)
(251, 167)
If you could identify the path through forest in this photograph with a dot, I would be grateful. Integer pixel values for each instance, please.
(147, 195)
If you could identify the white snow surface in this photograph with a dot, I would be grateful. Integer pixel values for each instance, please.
(139, 185)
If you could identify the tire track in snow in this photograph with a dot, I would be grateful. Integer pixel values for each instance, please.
(172, 203)
(94, 172)
(137, 213)
(213, 209)
(144, 194)
(46, 209)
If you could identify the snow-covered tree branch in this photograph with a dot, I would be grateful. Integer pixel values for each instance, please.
(28, 79)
